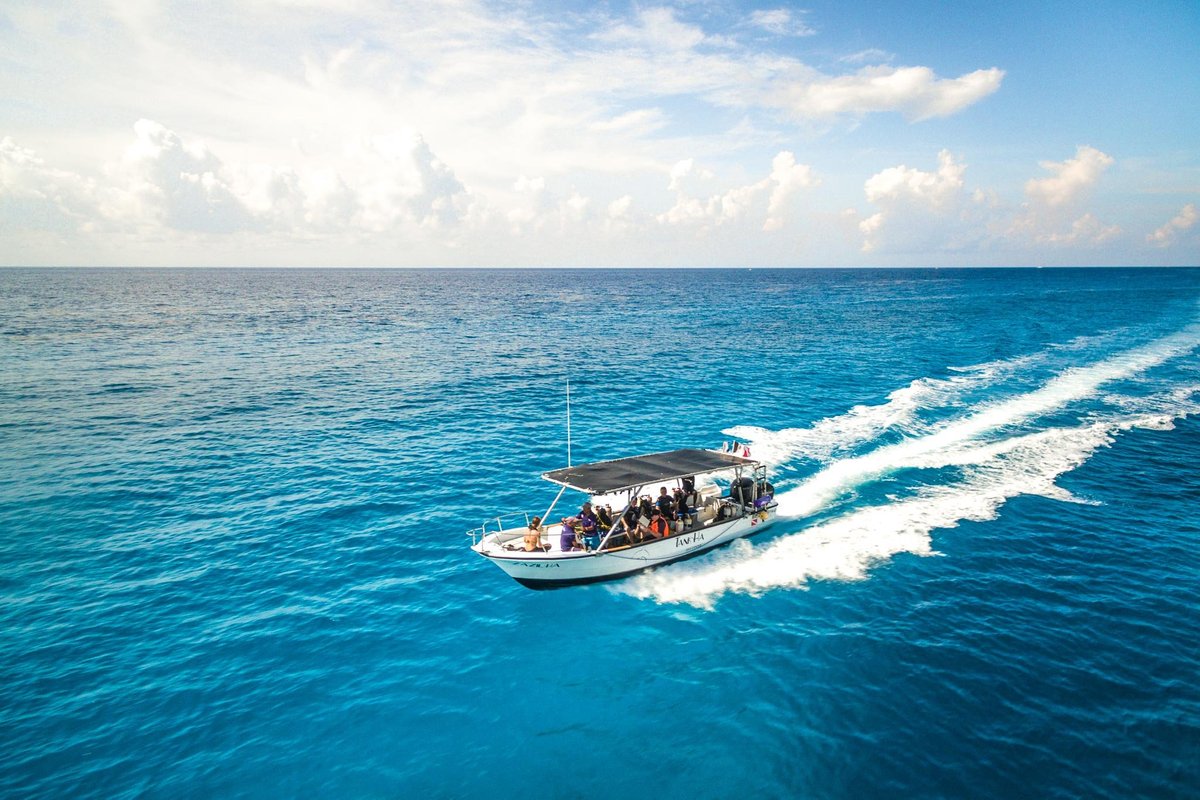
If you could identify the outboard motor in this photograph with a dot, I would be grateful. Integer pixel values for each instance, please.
(742, 491)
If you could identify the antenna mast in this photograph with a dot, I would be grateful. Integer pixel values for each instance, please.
(568, 421)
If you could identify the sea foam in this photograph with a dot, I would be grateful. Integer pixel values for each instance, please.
(989, 472)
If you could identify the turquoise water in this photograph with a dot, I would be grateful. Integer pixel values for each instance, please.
(232, 559)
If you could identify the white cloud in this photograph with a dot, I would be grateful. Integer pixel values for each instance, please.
(657, 29)
(620, 208)
(163, 182)
(921, 210)
(1053, 211)
(685, 177)
(34, 196)
(1086, 230)
(440, 199)
(1185, 220)
(531, 186)
(183, 186)
(788, 178)
(932, 189)
(915, 92)
(871, 55)
(768, 197)
(781, 22)
(573, 93)
(487, 125)
(1070, 178)
(576, 207)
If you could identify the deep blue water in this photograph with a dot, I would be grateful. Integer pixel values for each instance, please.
(232, 560)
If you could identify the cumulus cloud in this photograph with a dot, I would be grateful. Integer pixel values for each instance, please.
(787, 178)
(1053, 211)
(1085, 230)
(35, 196)
(576, 208)
(1069, 179)
(536, 208)
(935, 211)
(370, 117)
(921, 209)
(377, 122)
(383, 183)
(685, 173)
(183, 186)
(620, 208)
(769, 197)
(915, 92)
(440, 199)
(1185, 220)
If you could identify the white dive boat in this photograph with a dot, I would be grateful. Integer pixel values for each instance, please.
(729, 498)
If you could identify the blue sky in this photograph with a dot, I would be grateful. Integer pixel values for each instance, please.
(311, 132)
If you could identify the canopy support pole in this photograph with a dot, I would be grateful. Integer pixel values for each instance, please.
(620, 519)
(553, 503)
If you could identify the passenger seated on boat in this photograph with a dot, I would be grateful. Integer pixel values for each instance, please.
(629, 524)
(568, 539)
(645, 507)
(681, 505)
(589, 527)
(533, 538)
(604, 518)
(658, 527)
(665, 503)
(629, 518)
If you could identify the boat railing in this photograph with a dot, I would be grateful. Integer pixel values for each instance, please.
(497, 525)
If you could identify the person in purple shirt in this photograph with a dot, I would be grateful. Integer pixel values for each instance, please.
(591, 527)
(566, 542)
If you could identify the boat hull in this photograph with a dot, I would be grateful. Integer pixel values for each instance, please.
(557, 570)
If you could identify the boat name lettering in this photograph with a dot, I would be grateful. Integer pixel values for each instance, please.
(539, 564)
(684, 541)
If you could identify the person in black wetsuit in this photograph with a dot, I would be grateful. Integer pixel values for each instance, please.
(681, 505)
(629, 521)
(645, 507)
(665, 503)
(604, 518)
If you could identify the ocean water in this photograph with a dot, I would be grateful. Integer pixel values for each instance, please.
(233, 561)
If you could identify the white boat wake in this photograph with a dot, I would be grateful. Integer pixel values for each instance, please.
(863, 424)
(993, 462)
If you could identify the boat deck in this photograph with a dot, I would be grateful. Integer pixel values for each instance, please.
(511, 541)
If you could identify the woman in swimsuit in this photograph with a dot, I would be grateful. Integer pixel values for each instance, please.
(533, 539)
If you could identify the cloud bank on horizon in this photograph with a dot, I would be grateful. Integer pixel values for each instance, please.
(308, 132)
